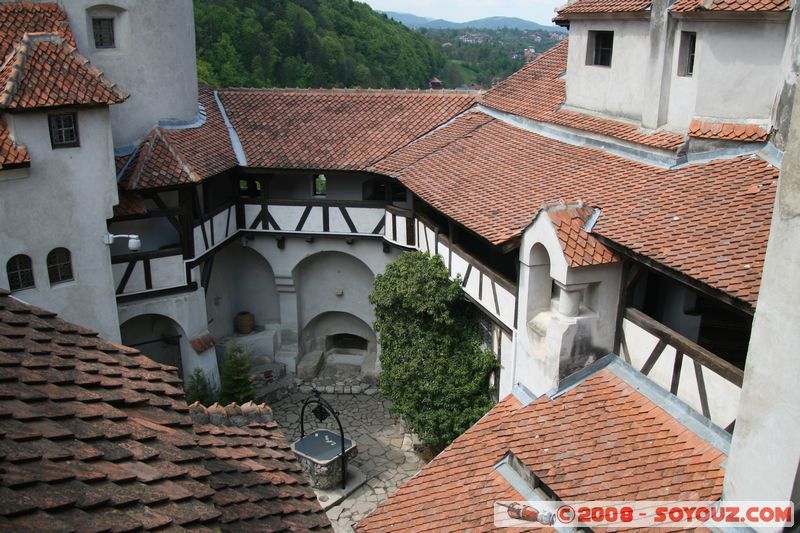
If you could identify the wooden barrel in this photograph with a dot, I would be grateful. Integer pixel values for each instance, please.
(244, 322)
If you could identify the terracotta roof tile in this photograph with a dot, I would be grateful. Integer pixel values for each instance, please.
(11, 155)
(731, 5)
(708, 221)
(580, 248)
(19, 18)
(129, 204)
(728, 131)
(96, 436)
(604, 6)
(169, 157)
(45, 70)
(538, 90)
(581, 445)
(334, 129)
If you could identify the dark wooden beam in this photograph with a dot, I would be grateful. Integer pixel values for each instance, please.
(704, 357)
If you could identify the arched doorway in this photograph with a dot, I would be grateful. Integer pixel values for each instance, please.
(158, 337)
(241, 280)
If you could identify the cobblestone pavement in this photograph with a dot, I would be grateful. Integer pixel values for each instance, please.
(385, 454)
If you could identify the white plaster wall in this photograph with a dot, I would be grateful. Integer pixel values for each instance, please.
(154, 60)
(615, 90)
(735, 80)
(64, 201)
(541, 359)
(188, 310)
(764, 457)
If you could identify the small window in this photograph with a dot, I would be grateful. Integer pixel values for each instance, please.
(320, 185)
(600, 49)
(686, 53)
(20, 273)
(64, 130)
(59, 266)
(103, 29)
(249, 187)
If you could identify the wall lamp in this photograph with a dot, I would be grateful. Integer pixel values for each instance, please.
(134, 242)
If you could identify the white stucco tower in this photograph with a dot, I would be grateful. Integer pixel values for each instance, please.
(148, 48)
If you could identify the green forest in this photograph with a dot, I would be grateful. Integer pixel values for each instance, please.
(309, 43)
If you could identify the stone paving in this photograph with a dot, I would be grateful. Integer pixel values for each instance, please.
(385, 450)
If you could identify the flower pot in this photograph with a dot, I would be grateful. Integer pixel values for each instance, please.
(244, 322)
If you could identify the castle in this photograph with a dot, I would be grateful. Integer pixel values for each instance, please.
(615, 195)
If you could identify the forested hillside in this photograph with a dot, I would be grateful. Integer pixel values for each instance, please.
(309, 43)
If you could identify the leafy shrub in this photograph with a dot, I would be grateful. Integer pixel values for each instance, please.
(199, 389)
(234, 375)
(433, 366)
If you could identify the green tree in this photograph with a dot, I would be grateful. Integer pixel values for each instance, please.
(199, 389)
(234, 375)
(433, 366)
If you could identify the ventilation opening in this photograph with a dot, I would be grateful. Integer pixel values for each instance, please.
(346, 341)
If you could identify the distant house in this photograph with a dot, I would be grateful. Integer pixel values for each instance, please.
(435, 83)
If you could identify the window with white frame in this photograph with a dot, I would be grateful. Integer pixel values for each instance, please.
(686, 53)
(19, 270)
(600, 48)
(59, 266)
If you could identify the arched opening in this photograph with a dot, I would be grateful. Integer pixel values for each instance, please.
(241, 280)
(329, 282)
(59, 266)
(346, 341)
(158, 337)
(540, 285)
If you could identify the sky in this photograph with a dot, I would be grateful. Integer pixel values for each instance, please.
(540, 11)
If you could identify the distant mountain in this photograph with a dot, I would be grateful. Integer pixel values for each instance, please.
(490, 23)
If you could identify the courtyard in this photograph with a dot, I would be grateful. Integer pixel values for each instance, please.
(385, 450)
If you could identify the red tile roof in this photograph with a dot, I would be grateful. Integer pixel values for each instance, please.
(708, 221)
(11, 155)
(728, 131)
(604, 6)
(45, 70)
(602, 440)
(170, 157)
(130, 203)
(95, 436)
(580, 248)
(731, 5)
(19, 18)
(334, 129)
(538, 90)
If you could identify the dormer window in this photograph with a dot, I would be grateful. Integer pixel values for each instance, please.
(686, 53)
(64, 130)
(600, 48)
(103, 30)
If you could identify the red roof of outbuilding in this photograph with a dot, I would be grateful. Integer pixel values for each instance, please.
(45, 70)
(604, 6)
(601, 440)
(95, 436)
(731, 5)
(334, 129)
(708, 221)
(19, 18)
(580, 247)
(728, 131)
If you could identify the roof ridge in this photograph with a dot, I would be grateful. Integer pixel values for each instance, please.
(353, 90)
(443, 125)
(177, 155)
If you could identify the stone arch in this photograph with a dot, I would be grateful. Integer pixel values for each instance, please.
(241, 280)
(326, 330)
(333, 282)
(160, 338)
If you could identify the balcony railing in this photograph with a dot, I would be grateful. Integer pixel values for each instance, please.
(148, 271)
(494, 294)
(706, 382)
